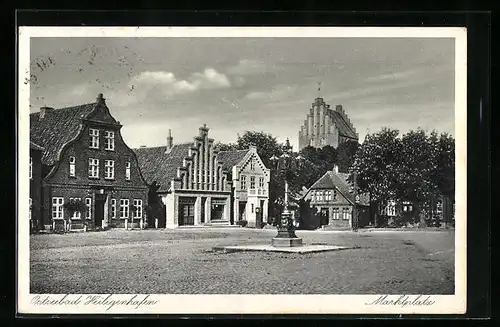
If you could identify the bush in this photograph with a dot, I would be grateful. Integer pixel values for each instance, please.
(242, 223)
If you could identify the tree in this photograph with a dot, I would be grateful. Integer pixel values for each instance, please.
(345, 154)
(418, 163)
(376, 165)
(266, 144)
(219, 146)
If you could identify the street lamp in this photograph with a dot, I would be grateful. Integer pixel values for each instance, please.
(286, 230)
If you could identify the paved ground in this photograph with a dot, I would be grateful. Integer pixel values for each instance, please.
(182, 261)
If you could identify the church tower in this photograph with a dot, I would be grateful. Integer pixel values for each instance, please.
(324, 126)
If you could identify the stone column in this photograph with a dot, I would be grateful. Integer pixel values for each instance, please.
(227, 209)
(171, 202)
(236, 210)
(265, 211)
(197, 211)
(208, 209)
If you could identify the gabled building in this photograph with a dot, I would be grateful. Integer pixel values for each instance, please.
(332, 196)
(35, 176)
(91, 178)
(190, 181)
(250, 185)
(324, 126)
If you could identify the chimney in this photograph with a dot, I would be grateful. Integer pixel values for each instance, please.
(338, 108)
(336, 169)
(44, 111)
(170, 141)
(100, 99)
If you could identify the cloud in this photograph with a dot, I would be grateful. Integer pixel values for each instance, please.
(249, 67)
(277, 93)
(168, 84)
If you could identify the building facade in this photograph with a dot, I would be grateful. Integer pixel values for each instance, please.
(91, 178)
(324, 126)
(250, 185)
(190, 180)
(35, 176)
(332, 197)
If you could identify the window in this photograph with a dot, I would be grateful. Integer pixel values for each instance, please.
(252, 182)
(76, 214)
(243, 182)
(127, 170)
(30, 207)
(124, 208)
(31, 168)
(109, 169)
(391, 208)
(334, 194)
(113, 208)
(88, 211)
(138, 208)
(252, 165)
(93, 168)
(72, 162)
(320, 195)
(346, 213)
(407, 206)
(335, 214)
(109, 138)
(57, 208)
(439, 209)
(94, 138)
(328, 195)
(261, 182)
(252, 207)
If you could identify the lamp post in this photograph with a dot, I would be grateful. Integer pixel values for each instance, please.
(286, 230)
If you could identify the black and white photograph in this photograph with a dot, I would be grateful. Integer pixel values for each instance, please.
(242, 170)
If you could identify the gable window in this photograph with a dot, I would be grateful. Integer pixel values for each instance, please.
(335, 213)
(72, 170)
(124, 208)
(320, 195)
(93, 168)
(328, 195)
(76, 214)
(31, 168)
(57, 208)
(252, 165)
(94, 138)
(113, 208)
(252, 182)
(88, 212)
(109, 169)
(138, 208)
(127, 170)
(243, 182)
(109, 138)
(261, 182)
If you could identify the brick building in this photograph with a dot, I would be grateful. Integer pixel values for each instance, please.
(332, 197)
(250, 185)
(190, 181)
(91, 178)
(324, 126)
(35, 175)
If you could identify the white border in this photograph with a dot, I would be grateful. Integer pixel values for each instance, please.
(257, 304)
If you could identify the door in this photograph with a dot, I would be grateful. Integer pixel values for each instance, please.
(186, 211)
(100, 199)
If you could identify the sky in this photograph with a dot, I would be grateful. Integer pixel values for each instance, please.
(233, 85)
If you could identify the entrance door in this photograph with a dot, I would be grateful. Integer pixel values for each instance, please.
(100, 200)
(243, 206)
(217, 211)
(186, 211)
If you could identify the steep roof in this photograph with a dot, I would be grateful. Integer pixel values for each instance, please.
(231, 158)
(331, 180)
(342, 125)
(56, 128)
(161, 167)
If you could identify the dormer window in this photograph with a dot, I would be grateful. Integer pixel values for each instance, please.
(72, 170)
(94, 138)
(127, 170)
(109, 140)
